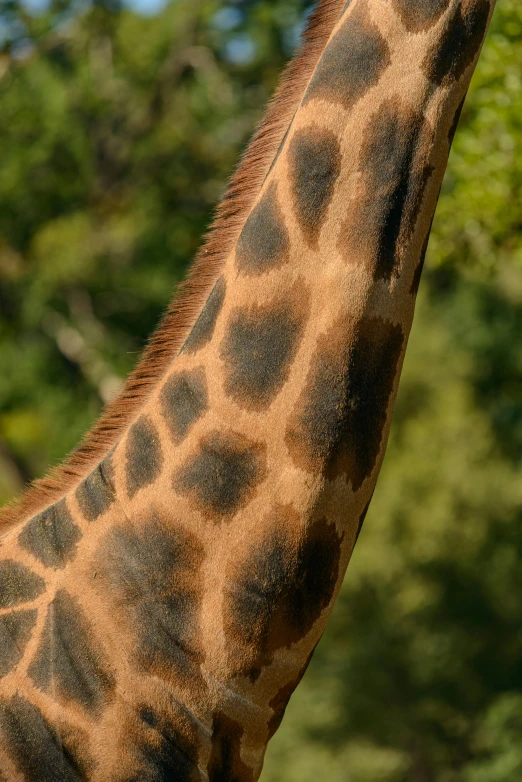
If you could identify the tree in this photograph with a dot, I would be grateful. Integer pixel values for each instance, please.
(117, 134)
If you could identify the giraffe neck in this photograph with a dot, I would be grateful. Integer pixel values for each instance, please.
(156, 620)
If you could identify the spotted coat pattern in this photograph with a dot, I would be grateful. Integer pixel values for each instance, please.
(155, 620)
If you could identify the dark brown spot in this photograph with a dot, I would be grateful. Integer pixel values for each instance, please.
(361, 520)
(277, 590)
(96, 493)
(381, 220)
(15, 632)
(204, 326)
(418, 15)
(258, 349)
(184, 399)
(263, 243)
(456, 118)
(42, 751)
(223, 475)
(18, 584)
(351, 63)
(420, 266)
(69, 662)
(164, 749)
(225, 763)
(279, 702)
(51, 536)
(459, 43)
(339, 421)
(154, 575)
(75, 748)
(144, 456)
(315, 160)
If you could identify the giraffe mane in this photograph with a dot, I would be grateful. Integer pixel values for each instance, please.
(192, 294)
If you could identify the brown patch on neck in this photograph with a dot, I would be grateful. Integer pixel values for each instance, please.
(226, 764)
(186, 305)
(278, 584)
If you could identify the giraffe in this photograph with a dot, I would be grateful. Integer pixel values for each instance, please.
(162, 593)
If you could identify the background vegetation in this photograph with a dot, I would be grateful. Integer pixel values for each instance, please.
(118, 128)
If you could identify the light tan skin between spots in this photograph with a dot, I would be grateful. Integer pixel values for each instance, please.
(154, 622)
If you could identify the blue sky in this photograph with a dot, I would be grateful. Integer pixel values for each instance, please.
(239, 48)
(146, 7)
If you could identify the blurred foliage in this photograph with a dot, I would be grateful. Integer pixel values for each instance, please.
(117, 134)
